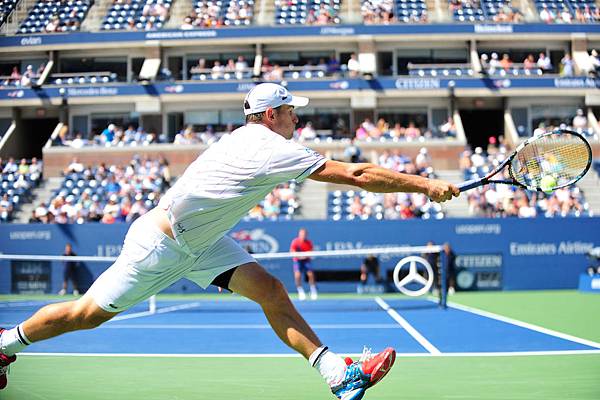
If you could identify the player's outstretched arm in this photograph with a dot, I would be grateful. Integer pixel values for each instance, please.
(374, 178)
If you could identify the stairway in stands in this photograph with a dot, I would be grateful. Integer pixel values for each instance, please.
(457, 207)
(41, 194)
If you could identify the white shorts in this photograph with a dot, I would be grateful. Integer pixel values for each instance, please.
(151, 261)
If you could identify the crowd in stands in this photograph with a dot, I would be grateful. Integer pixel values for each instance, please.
(17, 179)
(218, 13)
(501, 11)
(48, 16)
(281, 204)
(496, 65)
(22, 79)
(111, 136)
(382, 130)
(106, 193)
(137, 15)
(497, 201)
(307, 12)
(384, 12)
(351, 205)
(579, 123)
(121, 193)
(568, 12)
(209, 135)
(319, 67)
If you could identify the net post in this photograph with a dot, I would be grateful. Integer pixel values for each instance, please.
(444, 279)
(152, 304)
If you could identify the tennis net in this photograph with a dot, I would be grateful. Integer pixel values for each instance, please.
(411, 270)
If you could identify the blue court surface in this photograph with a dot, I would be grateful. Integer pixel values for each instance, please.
(234, 327)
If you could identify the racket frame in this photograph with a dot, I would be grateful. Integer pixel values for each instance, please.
(482, 181)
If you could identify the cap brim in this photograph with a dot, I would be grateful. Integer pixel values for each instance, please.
(298, 101)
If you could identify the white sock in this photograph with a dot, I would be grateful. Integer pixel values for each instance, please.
(313, 289)
(300, 290)
(13, 341)
(331, 366)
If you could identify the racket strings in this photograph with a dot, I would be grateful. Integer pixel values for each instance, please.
(563, 156)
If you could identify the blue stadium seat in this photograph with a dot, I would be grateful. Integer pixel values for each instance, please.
(67, 16)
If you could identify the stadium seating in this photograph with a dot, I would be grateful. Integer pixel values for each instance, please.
(390, 11)
(307, 12)
(6, 7)
(137, 15)
(411, 11)
(16, 183)
(484, 10)
(55, 16)
(279, 205)
(218, 13)
(82, 79)
(441, 71)
(352, 205)
(580, 11)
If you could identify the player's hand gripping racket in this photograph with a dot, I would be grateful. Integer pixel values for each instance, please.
(542, 163)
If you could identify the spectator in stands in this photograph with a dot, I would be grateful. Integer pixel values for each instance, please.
(303, 265)
(131, 26)
(70, 272)
(544, 63)
(28, 76)
(506, 63)
(565, 15)
(187, 136)
(307, 132)
(15, 76)
(108, 134)
(187, 23)
(495, 64)
(594, 62)
(448, 129)
(580, 121)
(53, 25)
(353, 66)
(484, 61)
(11, 166)
(78, 141)
(546, 15)
(568, 66)
(6, 208)
(412, 131)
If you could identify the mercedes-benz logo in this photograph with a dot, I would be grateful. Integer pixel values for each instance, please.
(414, 276)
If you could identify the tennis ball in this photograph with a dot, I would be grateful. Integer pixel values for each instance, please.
(547, 184)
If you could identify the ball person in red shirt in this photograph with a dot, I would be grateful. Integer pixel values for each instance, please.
(302, 265)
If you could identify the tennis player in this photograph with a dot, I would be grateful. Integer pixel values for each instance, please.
(185, 237)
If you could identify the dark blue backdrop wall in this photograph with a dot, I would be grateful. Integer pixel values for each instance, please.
(508, 254)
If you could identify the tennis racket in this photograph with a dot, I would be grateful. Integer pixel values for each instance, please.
(562, 155)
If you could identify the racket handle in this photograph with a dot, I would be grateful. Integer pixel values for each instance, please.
(466, 185)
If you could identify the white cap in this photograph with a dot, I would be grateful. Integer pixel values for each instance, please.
(271, 95)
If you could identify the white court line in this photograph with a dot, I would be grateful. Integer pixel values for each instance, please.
(524, 325)
(355, 355)
(243, 326)
(158, 311)
(408, 327)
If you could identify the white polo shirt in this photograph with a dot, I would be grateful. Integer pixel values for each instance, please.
(233, 175)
